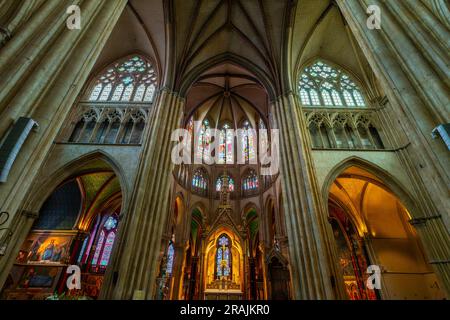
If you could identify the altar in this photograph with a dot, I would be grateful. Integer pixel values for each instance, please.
(223, 290)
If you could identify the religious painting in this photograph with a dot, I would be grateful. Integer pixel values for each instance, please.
(45, 248)
(39, 277)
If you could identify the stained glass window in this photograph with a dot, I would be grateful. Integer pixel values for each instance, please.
(118, 92)
(226, 144)
(107, 249)
(150, 93)
(219, 184)
(248, 143)
(106, 92)
(105, 242)
(250, 181)
(190, 127)
(139, 95)
(223, 257)
(170, 256)
(95, 94)
(323, 85)
(199, 180)
(263, 138)
(99, 247)
(131, 80)
(204, 139)
(110, 223)
(83, 247)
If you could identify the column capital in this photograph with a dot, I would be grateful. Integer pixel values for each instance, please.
(5, 35)
(30, 214)
(423, 220)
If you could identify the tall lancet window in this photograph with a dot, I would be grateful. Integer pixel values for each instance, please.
(170, 257)
(190, 127)
(133, 79)
(323, 85)
(204, 139)
(248, 143)
(223, 257)
(105, 243)
(226, 144)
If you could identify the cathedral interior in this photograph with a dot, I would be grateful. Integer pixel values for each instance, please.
(357, 116)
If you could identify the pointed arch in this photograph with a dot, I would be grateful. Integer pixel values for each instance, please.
(72, 169)
(394, 186)
(197, 71)
(322, 83)
(132, 78)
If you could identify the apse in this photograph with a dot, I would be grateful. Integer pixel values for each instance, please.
(224, 265)
(222, 256)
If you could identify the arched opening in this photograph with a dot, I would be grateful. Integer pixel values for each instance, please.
(279, 279)
(226, 108)
(224, 265)
(77, 225)
(371, 226)
(172, 257)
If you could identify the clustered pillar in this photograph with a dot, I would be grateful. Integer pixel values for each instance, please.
(44, 65)
(149, 207)
(409, 54)
(309, 261)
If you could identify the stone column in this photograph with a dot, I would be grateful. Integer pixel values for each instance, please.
(304, 215)
(150, 202)
(179, 270)
(43, 68)
(14, 14)
(202, 257)
(409, 55)
(441, 10)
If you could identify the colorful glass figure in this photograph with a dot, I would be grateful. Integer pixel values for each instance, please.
(219, 183)
(226, 144)
(204, 139)
(170, 256)
(248, 143)
(250, 181)
(223, 257)
(105, 242)
(199, 180)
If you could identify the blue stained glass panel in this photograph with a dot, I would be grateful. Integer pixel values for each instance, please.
(170, 257)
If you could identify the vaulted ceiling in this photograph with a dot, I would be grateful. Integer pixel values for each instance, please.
(270, 39)
(229, 94)
(372, 205)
